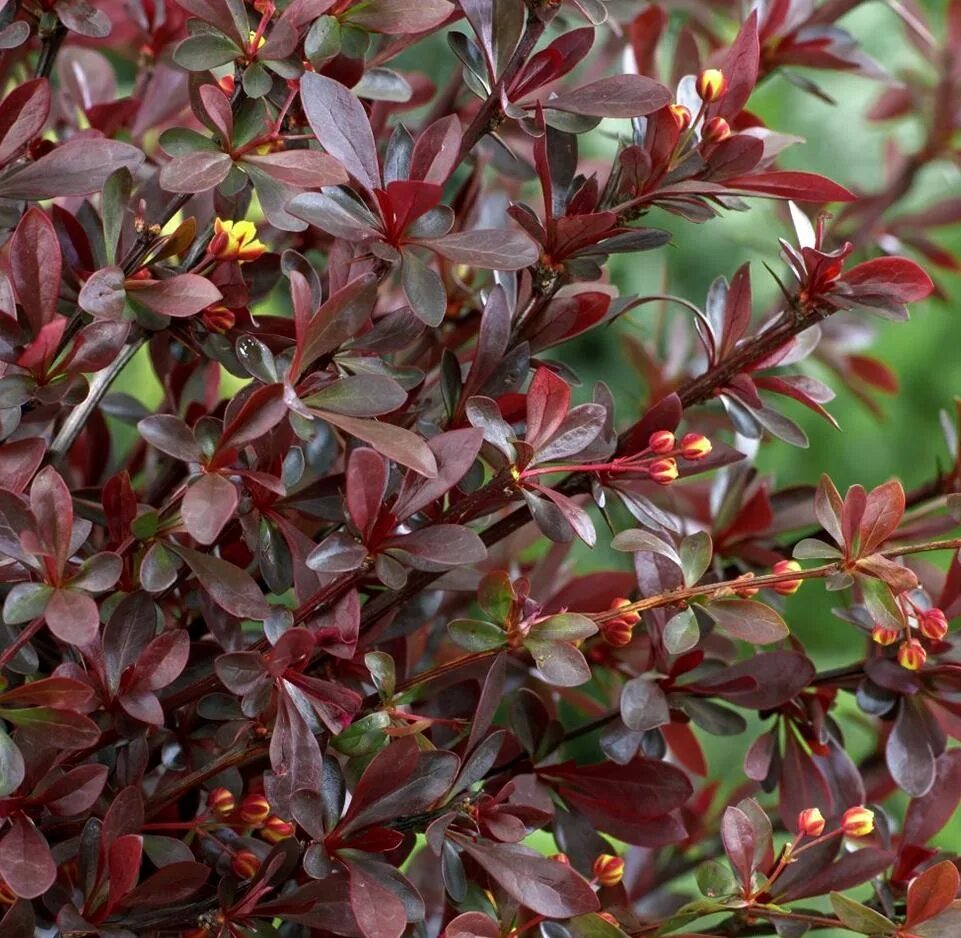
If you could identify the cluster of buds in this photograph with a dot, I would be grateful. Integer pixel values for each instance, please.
(663, 443)
(619, 630)
(786, 587)
(254, 811)
(855, 822)
(932, 624)
(608, 870)
(235, 241)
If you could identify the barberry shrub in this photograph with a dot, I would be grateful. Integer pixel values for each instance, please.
(308, 646)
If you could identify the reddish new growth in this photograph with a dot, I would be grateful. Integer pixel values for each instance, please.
(293, 454)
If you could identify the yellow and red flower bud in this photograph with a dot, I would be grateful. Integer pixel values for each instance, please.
(245, 864)
(663, 471)
(221, 802)
(254, 42)
(786, 587)
(561, 858)
(810, 822)
(276, 829)
(616, 632)
(254, 810)
(7, 895)
(933, 624)
(716, 130)
(695, 446)
(661, 442)
(911, 655)
(711, 85)
(218, 319)
(608, 870)
(682, 116)
(885, 636)
(609, 919)
(632, 616)
(857, 822)
(746, 592)
(235, 241)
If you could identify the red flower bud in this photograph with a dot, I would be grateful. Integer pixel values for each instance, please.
(711, 85)
(884, 636)
(218, 319)
(245, 864)
(810, 822)
(227, 84)
(933, 624)
(857, 822)
(695, 446)
(786, 587)
(663, 471)
(276, 829)
(682, 116)
(632, 616)
(608, 869)
(661, 442)
(254, 810)
(716, 130)
(616, 632)
(222, 802)
(911, 655)
(609, 919)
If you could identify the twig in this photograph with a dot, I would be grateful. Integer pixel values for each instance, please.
(99, 385)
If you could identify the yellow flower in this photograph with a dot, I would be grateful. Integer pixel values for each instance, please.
(235, 241)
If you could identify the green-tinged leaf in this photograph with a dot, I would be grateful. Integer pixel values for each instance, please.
(880, 603)
(564, 627)
(11, 766)
(637, 539)
(477, 635)
(695, 551)
(561, 663)
(383, 672)
(682, 633)
(496, 595)
(205, 50)
(643, 705)
(715, 879)
(810, 548)
(859, 918)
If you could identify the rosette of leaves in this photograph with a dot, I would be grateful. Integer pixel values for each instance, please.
(553, 431)
(514, 620)
(245, 150)
(274, 684)
(398, 214)
(41, 537)
(575, 110)
(220, 33)
(381, 531)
